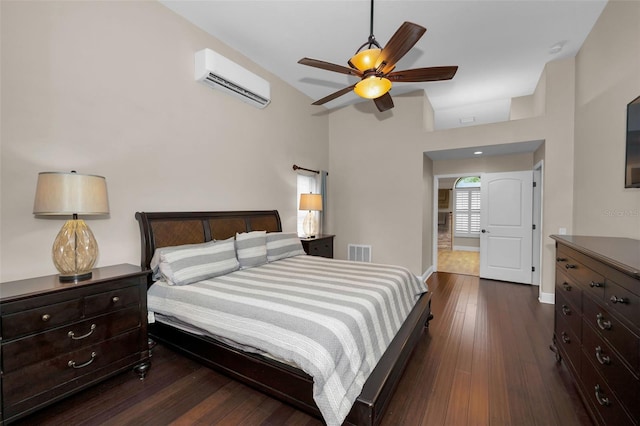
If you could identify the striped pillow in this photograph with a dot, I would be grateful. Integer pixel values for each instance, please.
(187, 264)
(281, 245)
(251, 248)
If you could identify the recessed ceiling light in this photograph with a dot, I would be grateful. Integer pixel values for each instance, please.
(466, 120)
(477, 153)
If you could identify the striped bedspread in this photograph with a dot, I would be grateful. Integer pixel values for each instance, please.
(331, 318)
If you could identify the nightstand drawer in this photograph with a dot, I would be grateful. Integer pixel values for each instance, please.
(30, 381)
(41, 318)
(49, 344)
(113, 300)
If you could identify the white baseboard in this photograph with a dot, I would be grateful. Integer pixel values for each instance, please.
(549, 298)
(466, 248)
(427, 274)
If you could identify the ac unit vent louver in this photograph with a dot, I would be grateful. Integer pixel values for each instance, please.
(220, 73)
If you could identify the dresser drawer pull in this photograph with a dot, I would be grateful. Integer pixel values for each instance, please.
(73, 335)
(565, 337)
(566, 310)
(595, 284)
(615, 299)
(74, 365)
(566, 286)
(602, 359)
(570, 266)
(46, 317)
(561, 259)
(601, 399)
(115, 299)
(604, 325)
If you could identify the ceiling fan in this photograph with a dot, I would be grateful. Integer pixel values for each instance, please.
(375, 66)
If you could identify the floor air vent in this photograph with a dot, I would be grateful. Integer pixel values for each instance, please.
(359, 253)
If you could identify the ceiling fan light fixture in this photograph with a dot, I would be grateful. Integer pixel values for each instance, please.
(365, 59)
(372, 87)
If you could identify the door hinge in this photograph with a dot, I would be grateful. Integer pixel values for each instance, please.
(535, 184)
(534, 226)
(533, 269)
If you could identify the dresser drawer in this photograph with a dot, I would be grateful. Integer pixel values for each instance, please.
(591, 281)
(601, 398)
(32, 380)
(568, 343)
(52, 343)
(607, 362)
(112, 300)
(568, 313)
(619, 337)
(41, 318)
(569, 290)
(622, 302)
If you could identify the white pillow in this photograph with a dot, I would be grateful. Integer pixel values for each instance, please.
(251, 248)
(190, 263)
(281, 245)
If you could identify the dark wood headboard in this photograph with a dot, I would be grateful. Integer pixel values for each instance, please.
(162, 229)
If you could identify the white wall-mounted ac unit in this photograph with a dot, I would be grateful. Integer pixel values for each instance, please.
(218, 72)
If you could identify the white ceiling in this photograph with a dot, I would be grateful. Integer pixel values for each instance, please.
(500, 46)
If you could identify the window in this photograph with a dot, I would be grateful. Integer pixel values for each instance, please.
(306, 184)
(467, 207)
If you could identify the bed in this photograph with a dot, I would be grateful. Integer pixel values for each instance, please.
(274, 377)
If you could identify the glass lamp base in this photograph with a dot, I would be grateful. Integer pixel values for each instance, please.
(75, 251)
(309, 225)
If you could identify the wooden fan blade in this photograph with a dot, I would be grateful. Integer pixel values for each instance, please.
(423, 74)
(334, 95)
(384, 102)
(400, 43)
(329, 66)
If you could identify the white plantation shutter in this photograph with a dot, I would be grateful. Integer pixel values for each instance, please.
(467, 212)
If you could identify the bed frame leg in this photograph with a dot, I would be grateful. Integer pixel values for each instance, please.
(429, 318)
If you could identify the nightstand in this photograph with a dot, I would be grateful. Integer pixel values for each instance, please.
(321, 245)
(59, 338)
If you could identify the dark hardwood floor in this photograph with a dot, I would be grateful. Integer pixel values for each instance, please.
(485, 360)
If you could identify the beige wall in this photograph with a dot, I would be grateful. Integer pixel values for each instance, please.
(107, 88)
(607, 78)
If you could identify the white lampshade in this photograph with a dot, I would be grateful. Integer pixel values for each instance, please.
(311, 202)
(75, 249)
(62, 194)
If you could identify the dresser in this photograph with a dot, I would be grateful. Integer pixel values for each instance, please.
(321, 245)
(597, 323)
(58, 338)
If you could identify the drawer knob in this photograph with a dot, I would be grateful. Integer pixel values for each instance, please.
(601, 399)
(73, 364)
(566, 310)
(566, 286)
(595, 284)
(565, 337)
(570, 266)
(561, 259)
(115, 299)
(602, 359)
(46, 317)
(602, 323)
(74, 337)
(622, 300)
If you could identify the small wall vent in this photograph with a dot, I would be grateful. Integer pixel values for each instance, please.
(359, 253)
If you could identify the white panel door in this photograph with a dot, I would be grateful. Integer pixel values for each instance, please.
(506, 226)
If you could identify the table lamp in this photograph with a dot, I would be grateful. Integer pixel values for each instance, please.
(312, 203)
(75, 249)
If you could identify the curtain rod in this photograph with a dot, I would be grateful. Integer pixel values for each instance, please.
(295, 167)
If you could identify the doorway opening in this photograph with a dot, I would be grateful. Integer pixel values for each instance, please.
(458, 248)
